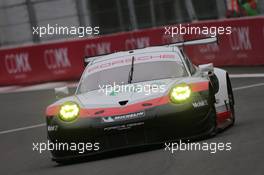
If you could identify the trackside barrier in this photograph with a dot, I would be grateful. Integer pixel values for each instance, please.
(62, 61)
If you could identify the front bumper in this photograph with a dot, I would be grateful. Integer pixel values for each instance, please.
(155, 125)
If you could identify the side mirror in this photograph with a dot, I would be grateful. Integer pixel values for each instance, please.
(206, 68)
(61, 92)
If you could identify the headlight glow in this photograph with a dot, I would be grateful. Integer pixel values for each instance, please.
(180, 93)
(69, 111)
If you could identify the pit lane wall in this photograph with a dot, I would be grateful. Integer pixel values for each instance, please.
(63, 60)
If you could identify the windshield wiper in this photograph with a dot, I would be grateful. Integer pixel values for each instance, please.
(131, 72)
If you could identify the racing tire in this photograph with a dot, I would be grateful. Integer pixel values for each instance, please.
(213, 115)
(231, 100)
(214, 129)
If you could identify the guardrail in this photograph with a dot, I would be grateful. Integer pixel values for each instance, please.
(63, 60)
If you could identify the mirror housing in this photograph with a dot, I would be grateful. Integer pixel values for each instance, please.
(206, 68)
(208, 71)
(61, 92)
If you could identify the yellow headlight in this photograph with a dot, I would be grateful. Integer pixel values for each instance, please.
(69, 111)
(180, 93)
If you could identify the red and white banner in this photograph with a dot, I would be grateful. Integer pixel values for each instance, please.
(64, 60)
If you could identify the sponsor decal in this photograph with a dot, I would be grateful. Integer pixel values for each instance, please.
(57, 58)
(126, 60)
(124, 117)
(199, 104)
(240, 39)
(52, 128)
(97, 49)
(17, 63)
(123, 127)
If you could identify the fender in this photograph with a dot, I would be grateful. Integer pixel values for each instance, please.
(222, 95)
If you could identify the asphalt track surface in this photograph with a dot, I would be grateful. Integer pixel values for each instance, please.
(246, 157)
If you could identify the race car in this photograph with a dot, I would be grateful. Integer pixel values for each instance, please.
(141, 97)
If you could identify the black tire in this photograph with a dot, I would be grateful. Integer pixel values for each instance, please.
(214, 123)
(231, 99)
(213, 115)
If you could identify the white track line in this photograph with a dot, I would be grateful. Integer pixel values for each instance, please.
(22, 129)
(248, 86)
(37, 87)
(43, 124)
(246, 75)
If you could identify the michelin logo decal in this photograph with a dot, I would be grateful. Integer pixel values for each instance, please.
(123, 117)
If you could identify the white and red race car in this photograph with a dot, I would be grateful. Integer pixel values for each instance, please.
(141, 97)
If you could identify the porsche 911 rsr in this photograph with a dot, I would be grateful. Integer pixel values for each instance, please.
(141, 97)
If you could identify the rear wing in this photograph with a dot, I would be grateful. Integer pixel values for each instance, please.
(202, 41)
(89, 60)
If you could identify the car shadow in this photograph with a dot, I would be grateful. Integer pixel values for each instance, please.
(111, 154)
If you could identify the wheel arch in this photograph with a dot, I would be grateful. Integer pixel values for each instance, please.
(222, 95)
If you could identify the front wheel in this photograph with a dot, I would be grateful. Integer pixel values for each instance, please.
(213, 116)
(214, 123)
(231, 101)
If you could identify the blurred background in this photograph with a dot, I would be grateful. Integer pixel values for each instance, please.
(18, 17)
(30, 70)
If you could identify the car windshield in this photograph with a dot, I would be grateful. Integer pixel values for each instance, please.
(145, 71)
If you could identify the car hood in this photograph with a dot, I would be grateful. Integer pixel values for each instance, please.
(138, 92)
